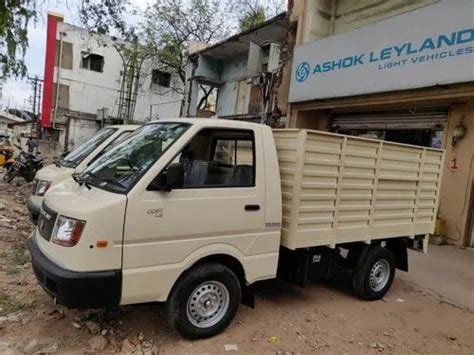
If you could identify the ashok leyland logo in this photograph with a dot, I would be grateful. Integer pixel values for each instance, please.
(302, 72)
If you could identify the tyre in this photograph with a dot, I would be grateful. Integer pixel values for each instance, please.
(9, 174)
(204, 301)
(374, 273)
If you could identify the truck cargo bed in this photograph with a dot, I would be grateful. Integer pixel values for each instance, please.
(338, 189)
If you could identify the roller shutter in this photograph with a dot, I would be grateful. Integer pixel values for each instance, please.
(386, 121)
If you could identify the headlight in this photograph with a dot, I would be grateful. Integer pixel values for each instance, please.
(41, 187)
(67, 231)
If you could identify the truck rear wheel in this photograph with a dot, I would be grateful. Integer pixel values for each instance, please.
(374, 273)
(204, 301)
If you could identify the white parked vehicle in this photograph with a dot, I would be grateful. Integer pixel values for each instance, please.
(192, 212)
(73, 163)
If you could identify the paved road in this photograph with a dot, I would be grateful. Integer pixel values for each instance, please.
(446, 270)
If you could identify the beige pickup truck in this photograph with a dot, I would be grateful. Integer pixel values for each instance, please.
(74, 163)
(193, 212)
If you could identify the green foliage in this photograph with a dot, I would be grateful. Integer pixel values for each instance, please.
(19, 256)
(101, 16)
(171, 25)
(252, 19)
(168, 29)
(13, 270)
(15, 15)
(9, 305)
(106, 16)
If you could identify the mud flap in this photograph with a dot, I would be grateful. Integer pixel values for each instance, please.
(248, 297)
(398, 246)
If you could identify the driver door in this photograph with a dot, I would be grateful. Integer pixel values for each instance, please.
(219, 209)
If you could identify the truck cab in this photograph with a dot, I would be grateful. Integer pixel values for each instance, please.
(187, 212)
(74, 162)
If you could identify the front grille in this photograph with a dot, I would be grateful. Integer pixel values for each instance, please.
(46, 221)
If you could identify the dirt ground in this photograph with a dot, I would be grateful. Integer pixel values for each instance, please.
(288, 319)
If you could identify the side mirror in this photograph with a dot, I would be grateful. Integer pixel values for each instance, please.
(171, 178)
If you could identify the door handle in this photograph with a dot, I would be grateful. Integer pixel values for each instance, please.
(252, 207)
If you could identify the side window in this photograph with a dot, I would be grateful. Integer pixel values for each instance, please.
(219, 158)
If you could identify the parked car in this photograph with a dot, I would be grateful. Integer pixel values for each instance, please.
(193, 212)
(74, 162)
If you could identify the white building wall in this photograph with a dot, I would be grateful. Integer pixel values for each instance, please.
(90, 90)
(80, 131)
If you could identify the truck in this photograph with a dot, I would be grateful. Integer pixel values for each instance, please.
(193, 212)
(74, 162)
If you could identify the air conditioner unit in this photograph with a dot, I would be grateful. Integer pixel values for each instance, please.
(264, 58)
(271, 56)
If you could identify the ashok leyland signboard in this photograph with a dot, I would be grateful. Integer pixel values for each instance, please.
(430, 46)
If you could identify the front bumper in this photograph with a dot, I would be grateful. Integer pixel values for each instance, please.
(33, 209)
(76, 289)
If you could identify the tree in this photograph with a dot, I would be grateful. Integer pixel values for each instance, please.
(107, 16)
(170, 27)
(253, 17)
(15, 17)
(133, 56)
(252, 13)
(102, 16)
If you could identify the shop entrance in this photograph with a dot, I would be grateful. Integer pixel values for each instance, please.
(424, 128)
(418, 137)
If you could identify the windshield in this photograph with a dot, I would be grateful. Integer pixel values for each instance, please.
(75, 157)
(119, 169)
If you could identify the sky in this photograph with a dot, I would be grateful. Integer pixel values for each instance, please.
(17, 93)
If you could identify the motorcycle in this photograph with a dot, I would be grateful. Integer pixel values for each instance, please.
(26, 165)
(6, 151)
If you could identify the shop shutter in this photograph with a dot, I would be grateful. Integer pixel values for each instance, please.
(386, 121)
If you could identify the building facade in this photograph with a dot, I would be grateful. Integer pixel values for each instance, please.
(394, 70)
(98, 84)
(237, 78)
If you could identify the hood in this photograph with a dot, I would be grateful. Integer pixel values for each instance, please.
(54, 173)
(76, 201)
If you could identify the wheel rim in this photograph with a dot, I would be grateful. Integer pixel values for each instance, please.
(379, 275)
(207, 304)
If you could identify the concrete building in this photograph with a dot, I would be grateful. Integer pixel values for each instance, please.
(397, 70)
(98, 84)
(15, 126)
(238, 77)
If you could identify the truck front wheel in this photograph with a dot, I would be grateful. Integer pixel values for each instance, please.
(374, 273)
(204, 301)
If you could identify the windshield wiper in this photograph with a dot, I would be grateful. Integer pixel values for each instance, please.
(80, 180)
(114, 182)
(99, 180)
(69, 163)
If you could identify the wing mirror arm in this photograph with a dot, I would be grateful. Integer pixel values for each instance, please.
(169, 179)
